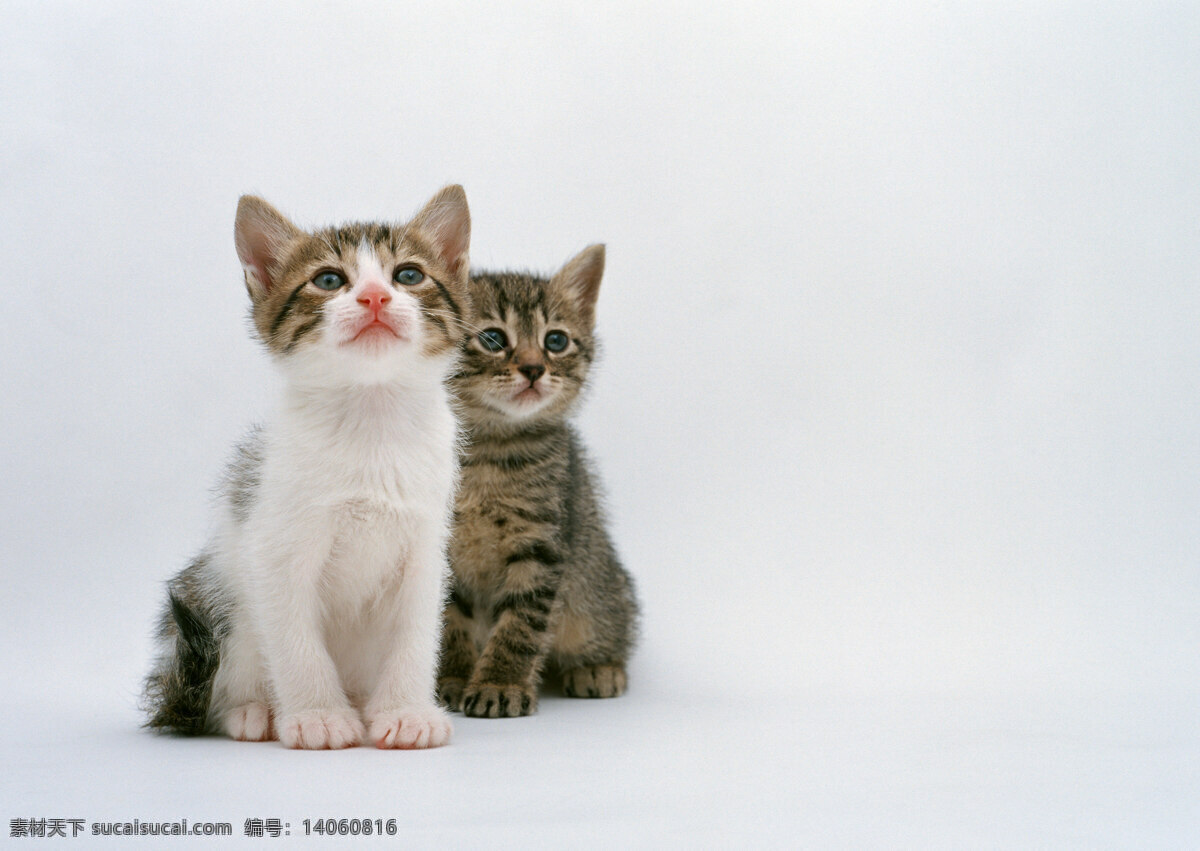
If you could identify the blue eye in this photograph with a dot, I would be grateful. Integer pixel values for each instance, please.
(408, 275)
(493, 339)
(328, 281)
(556, 341)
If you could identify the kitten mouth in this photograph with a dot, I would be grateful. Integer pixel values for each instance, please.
(532, 393)
(375, 329)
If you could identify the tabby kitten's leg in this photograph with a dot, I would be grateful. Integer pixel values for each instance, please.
(458, 650)
(595, 634)
(506, 677)
(591, 656)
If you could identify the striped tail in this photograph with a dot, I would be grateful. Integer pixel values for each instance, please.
(179, 690)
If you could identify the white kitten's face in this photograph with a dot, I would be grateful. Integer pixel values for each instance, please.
(368, 325)
(360, 303)
(364, 313)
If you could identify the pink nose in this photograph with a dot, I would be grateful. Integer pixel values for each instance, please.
(374, 297)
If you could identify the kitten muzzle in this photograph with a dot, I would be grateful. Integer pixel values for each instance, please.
(377, 326)
(529, 394)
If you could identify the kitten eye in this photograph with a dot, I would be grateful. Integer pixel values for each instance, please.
(556, 341)
(328, 281)
(408, 275)
(493, 339)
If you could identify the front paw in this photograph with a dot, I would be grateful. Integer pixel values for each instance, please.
(321, 729)
(490, 700)
(250, 722)
(409, 728)
(450, 692)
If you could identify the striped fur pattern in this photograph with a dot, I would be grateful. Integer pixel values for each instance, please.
(536, 581)
(313, 615)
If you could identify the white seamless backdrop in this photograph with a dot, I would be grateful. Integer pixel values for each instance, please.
(897, 413)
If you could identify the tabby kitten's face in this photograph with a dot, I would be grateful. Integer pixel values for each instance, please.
(362, 302)
(533, 344)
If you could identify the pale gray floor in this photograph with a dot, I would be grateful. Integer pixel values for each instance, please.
(667, 765)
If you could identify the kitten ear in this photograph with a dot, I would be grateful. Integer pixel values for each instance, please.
(580, 277)
(261, 233)
(446, 222)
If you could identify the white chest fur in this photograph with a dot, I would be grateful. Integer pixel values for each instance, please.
(362, 476)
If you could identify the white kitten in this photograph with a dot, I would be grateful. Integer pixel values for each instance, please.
(316, 607)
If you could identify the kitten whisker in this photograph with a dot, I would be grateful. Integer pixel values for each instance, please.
(461, 323)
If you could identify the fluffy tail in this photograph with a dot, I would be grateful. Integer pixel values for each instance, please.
(179, 690)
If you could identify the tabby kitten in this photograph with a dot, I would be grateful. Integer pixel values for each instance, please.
(316, 605)
(536, 578)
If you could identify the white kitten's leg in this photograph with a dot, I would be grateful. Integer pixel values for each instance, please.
(312, 709)
(240, 695)
(403, 712)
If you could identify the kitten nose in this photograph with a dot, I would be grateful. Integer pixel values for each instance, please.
(374, 297)
(532, 371)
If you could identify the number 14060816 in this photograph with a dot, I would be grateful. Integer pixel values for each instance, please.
(350, 827)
